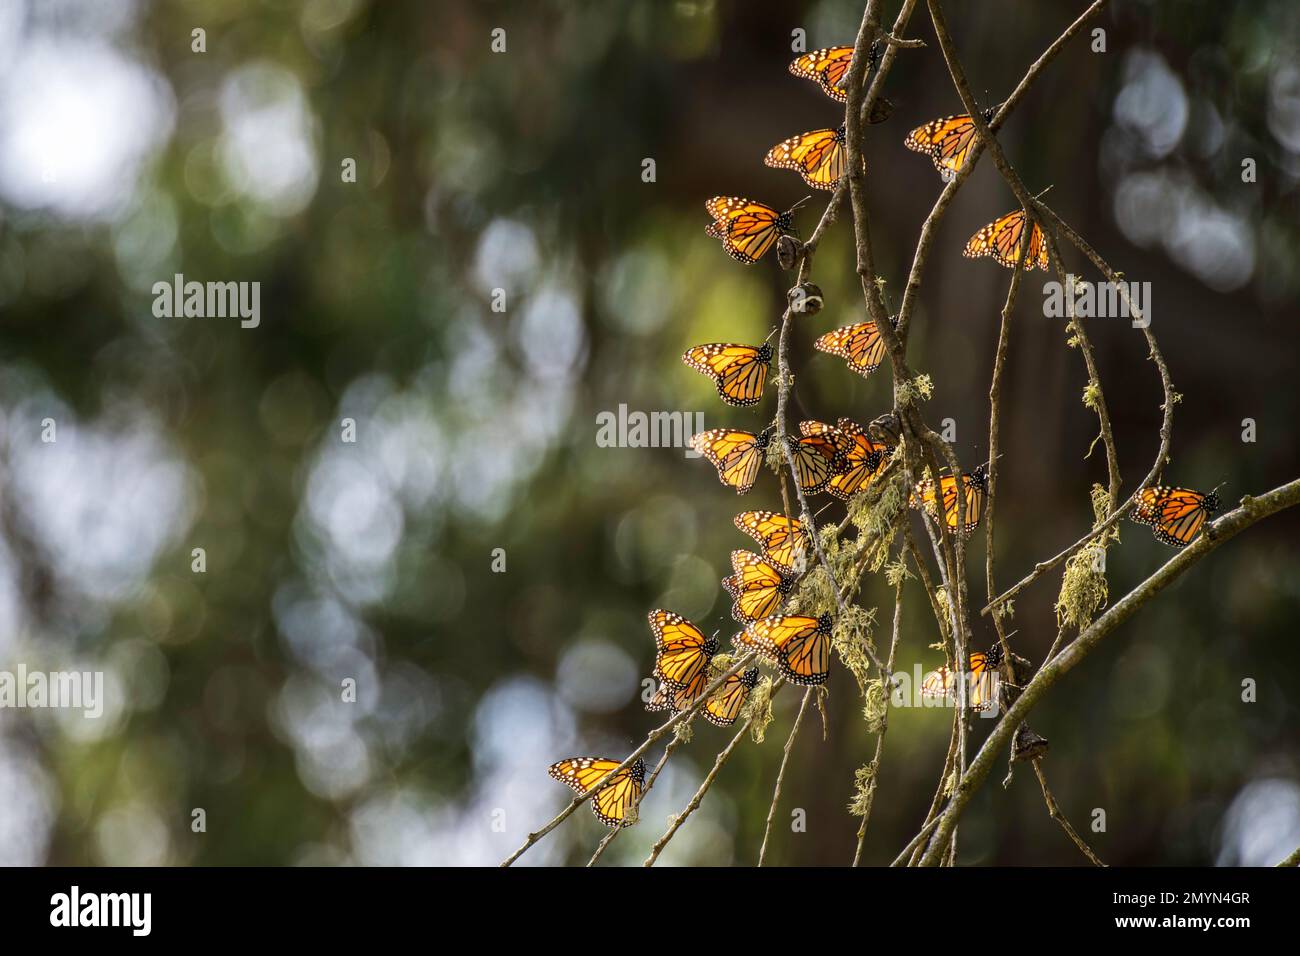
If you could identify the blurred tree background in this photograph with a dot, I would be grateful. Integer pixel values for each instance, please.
(127, 157)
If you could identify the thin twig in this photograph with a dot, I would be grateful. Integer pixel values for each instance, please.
(1055, 812)
(723, 756)
(884, 719)
(1229, 525)
(645, 745)
(780, 775)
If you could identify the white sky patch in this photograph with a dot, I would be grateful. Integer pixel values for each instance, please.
(267, 144)
(78, 123)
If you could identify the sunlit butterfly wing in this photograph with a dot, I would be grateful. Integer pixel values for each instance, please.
(757, 587)
(738, 371)
(946, 141)
(783, 540)
(677, 699)
(800, 647)
(737, 455)
(613, 801)
(682, 649)
(1176, 515)
(860, 345)
(864, 457)
(819, 156)
(816, 459)
(974, 485)
(725, 705)
(1001, 240)
(827, 68)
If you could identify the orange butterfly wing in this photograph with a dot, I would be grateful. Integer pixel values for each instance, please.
(861, 345)
(820, 157)
(800, 647)
(738, 371)
(1001, 240)
(946, 141)
(783, 540)
(826, 67)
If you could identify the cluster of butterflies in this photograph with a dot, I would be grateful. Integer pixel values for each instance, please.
(748, 229)
(797, 646)
(841, 459)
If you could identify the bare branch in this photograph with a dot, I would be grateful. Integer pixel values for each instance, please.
(1215, 533)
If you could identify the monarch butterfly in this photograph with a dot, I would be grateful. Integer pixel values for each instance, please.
(1176, 515)
(739, 371)
(736, 454)
(747, 229)
(757, 587)
(828, 67)
(975, 485)
(983, 694)
(863, 457)
(620, 793)
(946, 141)
(682, 650)
(1001, 240)
(800, 647)
(860, 345)
(819, 156)
(724, 706)
(677, 699)
(782, 539)
(817, 458)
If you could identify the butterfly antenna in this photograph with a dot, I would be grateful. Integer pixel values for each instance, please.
(1044, 192)
(798, 204)
(823, 508)
(770, 334)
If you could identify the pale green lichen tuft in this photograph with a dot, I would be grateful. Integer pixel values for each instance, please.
(758, 709)
(815, 595)
(851, 638)
(684, 731)
(1083, 587)
(910, 391)
(864, 788)
(896, 572)
(875, 705)
(1092, 395)
(875, 514)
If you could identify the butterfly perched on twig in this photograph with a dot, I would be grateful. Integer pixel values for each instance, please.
(738, 371)
(613, 801)
(861, 345)
(1001, 240)
(1176, 515)
(829, 66)
(983, 694)
(783, 540)
(682, 650)
(799, 646)
(817, 459)
(974, 485)
(746, 228)
(724, 705)
(757, 586)
(863, 457)
(820, 156)
(947, 141)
